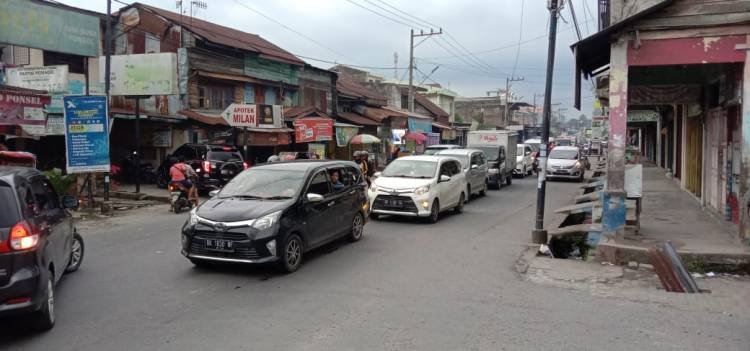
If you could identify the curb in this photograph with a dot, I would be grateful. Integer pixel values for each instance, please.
(694, 261)
(139, 196)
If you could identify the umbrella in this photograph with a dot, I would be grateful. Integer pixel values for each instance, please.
(364, 139)
(419, 138)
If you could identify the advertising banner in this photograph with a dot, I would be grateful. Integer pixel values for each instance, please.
(47, 27)
(313, 129)
(317, 149)
(269, 116)
(19, 108)
(142, 74)
(86, 134)
(344, 134)
(52, 79)
(420, 125)
(241, 116)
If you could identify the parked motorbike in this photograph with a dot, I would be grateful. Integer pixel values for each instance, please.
(178, 197)
(147, 174)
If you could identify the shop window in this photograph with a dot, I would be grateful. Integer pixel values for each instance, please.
(214, 97)
(75, 63)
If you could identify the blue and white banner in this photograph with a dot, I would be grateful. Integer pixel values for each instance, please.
(86, 134)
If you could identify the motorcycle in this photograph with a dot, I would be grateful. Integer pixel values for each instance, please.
(147, 174)
(178, 198)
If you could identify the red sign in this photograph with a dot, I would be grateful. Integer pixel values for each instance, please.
(18, 108)
(492, 138)
(313, 129)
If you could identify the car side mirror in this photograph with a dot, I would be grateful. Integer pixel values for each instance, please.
(213, 193)
(444, 178)
(312, 197)
(69, 201)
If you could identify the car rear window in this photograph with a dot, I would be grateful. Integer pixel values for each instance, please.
(9, 214)
(224, 156)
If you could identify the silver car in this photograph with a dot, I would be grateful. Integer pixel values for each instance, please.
(433, 149)
(474, 166)
(565, 162)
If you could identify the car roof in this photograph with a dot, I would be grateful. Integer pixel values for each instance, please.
(304, 165)
(566, 148)
(10, 173)
(458, 152)
(430, 158)
(444, 146)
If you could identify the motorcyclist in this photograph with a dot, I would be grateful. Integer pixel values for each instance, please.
(181, 175)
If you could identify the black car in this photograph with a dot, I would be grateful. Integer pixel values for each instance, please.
(38, 244)
(215, 165)
(276, 212)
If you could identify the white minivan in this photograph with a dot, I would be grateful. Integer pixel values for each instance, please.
(474, 165)
(418, 186)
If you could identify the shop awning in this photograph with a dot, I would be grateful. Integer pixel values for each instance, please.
(441, 126)
(379, 114)
(357, 119)
(212, 120)
(125, 113)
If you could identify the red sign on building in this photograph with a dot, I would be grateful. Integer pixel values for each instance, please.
(21, 108)
(313, 129)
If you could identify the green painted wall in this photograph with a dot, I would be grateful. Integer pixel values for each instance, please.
(271, 70)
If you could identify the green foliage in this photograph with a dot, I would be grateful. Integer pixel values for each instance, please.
(61, 182)
(458, 118)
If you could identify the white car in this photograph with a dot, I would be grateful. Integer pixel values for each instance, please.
(474, 166)
(418, 186)
(524, 162)
(565, 162)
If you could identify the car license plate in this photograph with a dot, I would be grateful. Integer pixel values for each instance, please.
(224, 171)
(219, 245)
(395, 203)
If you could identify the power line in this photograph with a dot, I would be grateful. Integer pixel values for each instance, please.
(380, 14)
(289, 28)
(408, 14)
(395, 14)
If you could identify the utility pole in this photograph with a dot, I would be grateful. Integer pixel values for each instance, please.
(507, 96)
(107, 78)
(411, 60)
(539, 235)
(395, 65)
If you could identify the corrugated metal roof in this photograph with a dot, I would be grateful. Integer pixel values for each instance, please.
(303, 111)
(430, 106)
(203, 118)
(227, 36)
(357, 119)
(346, 86)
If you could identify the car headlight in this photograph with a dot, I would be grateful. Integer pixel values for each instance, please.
(266, 221)
(193, 220)
(577, 165)
(422, 190)
(493, 171)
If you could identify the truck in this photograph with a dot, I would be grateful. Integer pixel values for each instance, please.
(499, 147)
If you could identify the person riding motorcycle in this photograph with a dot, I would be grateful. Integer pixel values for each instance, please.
(181, 175)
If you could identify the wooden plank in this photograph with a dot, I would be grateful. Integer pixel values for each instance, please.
(693, 21)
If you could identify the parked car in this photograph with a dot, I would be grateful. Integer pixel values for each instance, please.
(38, 244)
(524, 161)
(215, 165)
(419, 186)
(276, 212)
(433, 149)
(565, 162)
(474, 167)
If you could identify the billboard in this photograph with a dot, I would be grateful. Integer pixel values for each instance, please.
(19, 108)
(47, 27)
(53, 79)
(86, 134)
(142, 74)
(313, 129)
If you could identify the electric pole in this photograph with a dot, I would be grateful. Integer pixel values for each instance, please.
(507, 96)
(539, 235)
(411, 60)
(107, 77)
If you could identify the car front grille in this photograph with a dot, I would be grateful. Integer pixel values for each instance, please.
(380, 203)
(208, 234)
(198, 247)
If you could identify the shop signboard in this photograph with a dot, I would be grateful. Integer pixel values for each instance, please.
(313, 129)
(344, 134)
(86, 134)
(420, 125)
(269, 116)
(142, 74)
(19, 108)
(52, 79)
(48, 27)
(241, 115)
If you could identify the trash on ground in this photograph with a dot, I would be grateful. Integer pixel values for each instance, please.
(710, 274)
(544, 250)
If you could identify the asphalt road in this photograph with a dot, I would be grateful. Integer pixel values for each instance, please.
(405, 286)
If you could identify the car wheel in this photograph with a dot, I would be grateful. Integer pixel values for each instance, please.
(375, 216)
(483, 192)
(460, 206)
(358, 228)
(44, 318)
(468, 192)
(508, 180)
(291, 254)
(76, 254)
(434, 212)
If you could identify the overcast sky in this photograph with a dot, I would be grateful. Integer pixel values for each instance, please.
(345, 32)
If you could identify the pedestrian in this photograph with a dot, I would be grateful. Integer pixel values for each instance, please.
(370, 164)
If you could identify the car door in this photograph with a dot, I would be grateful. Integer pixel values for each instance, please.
(475, 175)
(457, 184)
(320, 216)
(53, 222)
(444, 192)
(343, 199)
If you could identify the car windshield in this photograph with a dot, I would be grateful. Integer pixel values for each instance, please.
(224, 156)
(564, 142)
(492, 152)
(411, 169)
(264, 183)
(561, 154)
(8, 210)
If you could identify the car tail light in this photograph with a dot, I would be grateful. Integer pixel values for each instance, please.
(244, 164)
(206, 166)
(22, 237)
(18, 300)
(226, 148)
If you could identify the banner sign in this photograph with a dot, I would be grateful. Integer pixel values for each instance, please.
(241, 116)
(269, 116)
(420, 125)
(47, 27)
(313, 129)
(142, 74)
(19, 108)
(344, 134)
(86, 134)
(316, 149)
(53, 79)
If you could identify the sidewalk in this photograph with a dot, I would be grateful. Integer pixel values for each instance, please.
(147, 192)
(670, 214)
